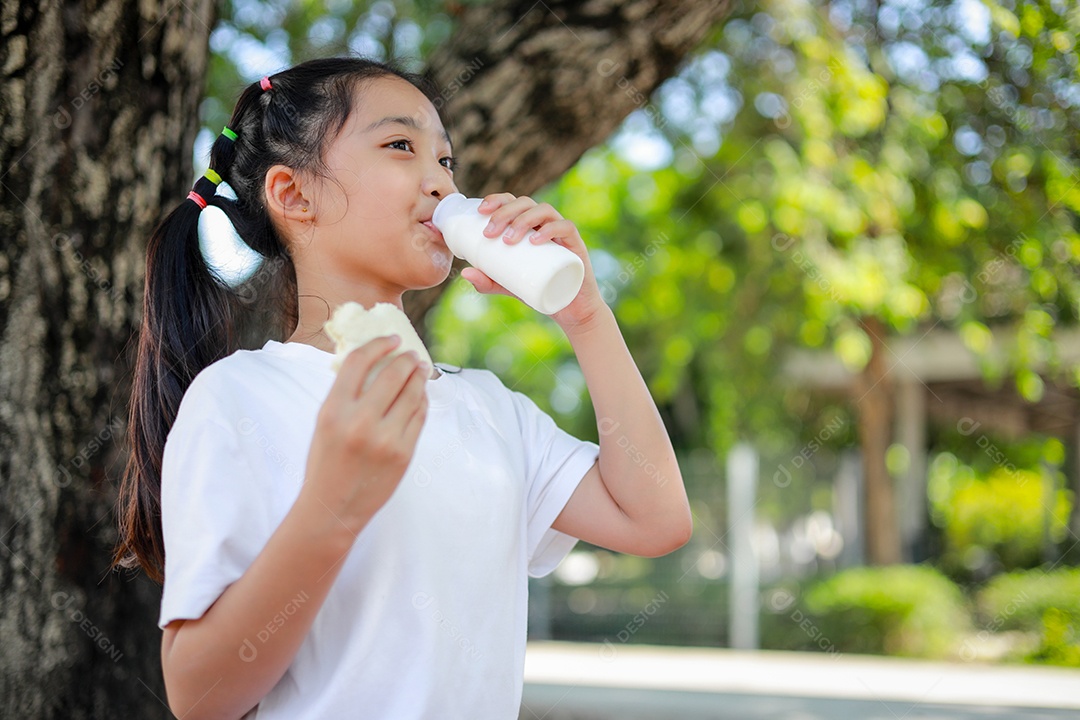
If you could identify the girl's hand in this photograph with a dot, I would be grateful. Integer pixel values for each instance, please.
(364, 441)
(519, 215)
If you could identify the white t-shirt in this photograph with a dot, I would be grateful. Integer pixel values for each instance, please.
(427, 618)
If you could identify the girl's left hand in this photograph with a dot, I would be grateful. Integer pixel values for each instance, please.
(519, 215)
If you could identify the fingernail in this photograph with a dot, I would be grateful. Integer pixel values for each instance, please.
(509, 233)
(489, 228)
(483, 203)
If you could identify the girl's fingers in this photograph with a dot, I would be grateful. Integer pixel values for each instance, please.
(389, 383)
(506, 213)
(560, 231)
(483, 283)
(493, 202)
(536, 216)
(411, 433)
(358, 364)
(513, 218)
(405, 404)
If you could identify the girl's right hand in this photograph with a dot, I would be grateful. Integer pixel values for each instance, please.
(364, 441)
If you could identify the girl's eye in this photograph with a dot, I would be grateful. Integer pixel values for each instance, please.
(450, 162)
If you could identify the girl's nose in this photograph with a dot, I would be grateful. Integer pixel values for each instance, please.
(438, 183)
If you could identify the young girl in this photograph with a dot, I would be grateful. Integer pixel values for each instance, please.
(328, 553)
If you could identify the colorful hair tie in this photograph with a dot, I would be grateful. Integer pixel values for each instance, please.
(265, 83)
(227, 132)
(199, 199)
(205, 188)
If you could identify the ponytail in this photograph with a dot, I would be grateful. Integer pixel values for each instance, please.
(188, 323)
(191, 316)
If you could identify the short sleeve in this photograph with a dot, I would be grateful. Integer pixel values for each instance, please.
(555, 463)
(213, 522)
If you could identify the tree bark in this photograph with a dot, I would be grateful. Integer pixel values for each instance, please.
(99, 114)
(529, 87)
(99, 111)
(874, 404)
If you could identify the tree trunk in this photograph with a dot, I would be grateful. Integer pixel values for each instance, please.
(99, 111)
(529, 87)
(99, 114)
(874, 404)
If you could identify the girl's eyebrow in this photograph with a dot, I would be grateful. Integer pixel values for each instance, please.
(405, 120)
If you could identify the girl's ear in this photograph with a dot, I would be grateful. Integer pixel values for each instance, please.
(285, 199)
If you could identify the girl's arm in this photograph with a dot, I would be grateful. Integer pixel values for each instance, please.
(633, 500)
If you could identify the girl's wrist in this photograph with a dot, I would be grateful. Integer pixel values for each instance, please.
(327, 527)
(590, 324)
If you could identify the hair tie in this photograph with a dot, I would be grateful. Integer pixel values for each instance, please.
(199, 199)
(265, 84)
(202, 191)
(227, 132)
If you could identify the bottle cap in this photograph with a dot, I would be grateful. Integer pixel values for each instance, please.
(450, 205)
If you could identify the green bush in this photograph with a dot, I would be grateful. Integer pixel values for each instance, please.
(1000, 517)
(1018, 601)
(1046, 604)
(909, 610)
(1059, 641)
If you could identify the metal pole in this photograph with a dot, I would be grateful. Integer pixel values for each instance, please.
(742, 472)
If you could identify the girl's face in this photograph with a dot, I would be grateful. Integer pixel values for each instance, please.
(389, 167)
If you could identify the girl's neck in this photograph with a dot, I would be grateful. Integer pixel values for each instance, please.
(316, 338)
(317, 301)
(318, 297)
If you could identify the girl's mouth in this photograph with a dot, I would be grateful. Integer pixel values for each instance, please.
(428, 224)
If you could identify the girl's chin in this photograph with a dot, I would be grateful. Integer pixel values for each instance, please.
(440, 257)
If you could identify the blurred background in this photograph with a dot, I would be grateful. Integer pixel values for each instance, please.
(842, 238)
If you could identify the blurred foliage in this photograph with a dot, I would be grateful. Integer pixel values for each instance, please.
(1002, 520)
(1060, 640)
(910, 610)
(1044, 603)
(1018, 600)
(889, 135)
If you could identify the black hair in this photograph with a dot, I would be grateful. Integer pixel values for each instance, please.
(191, 316)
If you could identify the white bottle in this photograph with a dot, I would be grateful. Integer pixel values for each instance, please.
(547, 277)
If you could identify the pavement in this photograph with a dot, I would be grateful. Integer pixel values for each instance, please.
(582, 681)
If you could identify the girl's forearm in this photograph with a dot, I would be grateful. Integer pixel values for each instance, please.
(224, 663)
(637, 461)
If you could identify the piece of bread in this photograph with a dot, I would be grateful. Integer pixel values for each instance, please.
(352, 326)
